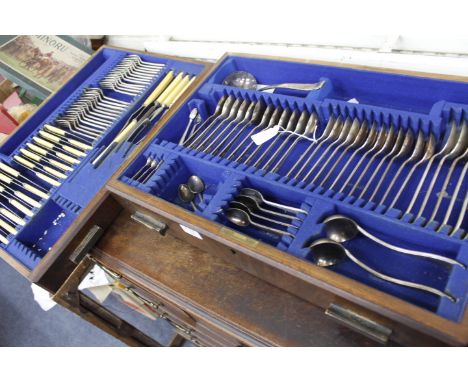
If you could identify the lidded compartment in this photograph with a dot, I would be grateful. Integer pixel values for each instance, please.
(360, 146)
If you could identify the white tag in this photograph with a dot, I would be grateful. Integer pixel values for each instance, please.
(265, 135)
(353, 100)
(42, 297)
(191, 232)
(96, 277)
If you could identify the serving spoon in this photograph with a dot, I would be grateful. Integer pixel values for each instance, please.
(246, 80)
(327, 253)
(341, 228)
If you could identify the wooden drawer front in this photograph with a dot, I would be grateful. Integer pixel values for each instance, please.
(196, 329)
(391, 330)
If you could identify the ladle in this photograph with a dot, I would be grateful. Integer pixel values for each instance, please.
(246, 80)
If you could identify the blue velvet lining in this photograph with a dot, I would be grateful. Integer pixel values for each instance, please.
(66, 201)
(411, 102)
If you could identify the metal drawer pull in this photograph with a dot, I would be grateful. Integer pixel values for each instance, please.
(150, 222)
(361, 324)
(88, 242)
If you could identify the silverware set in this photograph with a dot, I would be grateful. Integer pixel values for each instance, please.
(19, 197)
(250, 207)
(374, 152)
(146, 171)
(339, 229)
(227, 132)
(373, 163)
(164, 95)
(131, 76)
(50, 155)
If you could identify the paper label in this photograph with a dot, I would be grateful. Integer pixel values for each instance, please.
(96, 277)
(353, 100)
(42, 297)
(265, 135)
(191, 232)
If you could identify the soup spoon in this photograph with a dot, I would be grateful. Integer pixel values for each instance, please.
(254, 204)
(258, 196)
(242, 219)
(341, 228)
(250, 210)
(327, 253)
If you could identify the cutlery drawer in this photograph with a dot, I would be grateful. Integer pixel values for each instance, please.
(218, 304)
(49, 171)
(293, 182)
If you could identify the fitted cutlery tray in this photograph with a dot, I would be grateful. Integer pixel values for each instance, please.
(66, 199)
(423, 108)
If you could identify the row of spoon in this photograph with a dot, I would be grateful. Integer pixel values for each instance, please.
(250, 207)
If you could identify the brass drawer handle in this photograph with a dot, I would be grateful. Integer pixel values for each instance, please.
(150, 222)
(359, 323)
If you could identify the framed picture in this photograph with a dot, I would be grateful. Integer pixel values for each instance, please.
(40, 63)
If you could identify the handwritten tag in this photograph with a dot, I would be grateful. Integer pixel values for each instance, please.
(265, 135)
(191, 232)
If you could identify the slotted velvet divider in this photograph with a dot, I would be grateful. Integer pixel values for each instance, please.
(51, 220)
(384, 99)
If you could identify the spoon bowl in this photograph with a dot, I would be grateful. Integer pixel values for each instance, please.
(196, 185)
(185, 193)
(241, 79)
(327, 253)
(340, 228)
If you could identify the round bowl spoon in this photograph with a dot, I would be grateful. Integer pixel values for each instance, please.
(340, 228)
(242, 219)
(254, 204)
(245, 207)
(257, 195)
(196, 185)
(327, 253)
(186, 195)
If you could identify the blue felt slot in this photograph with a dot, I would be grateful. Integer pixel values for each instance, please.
(413, 104)
(66, 200)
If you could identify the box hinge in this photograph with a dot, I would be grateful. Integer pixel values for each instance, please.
(359, 323)
(150, 222)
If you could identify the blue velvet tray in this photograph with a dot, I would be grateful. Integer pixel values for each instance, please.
(415, 103)
(66, 201)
